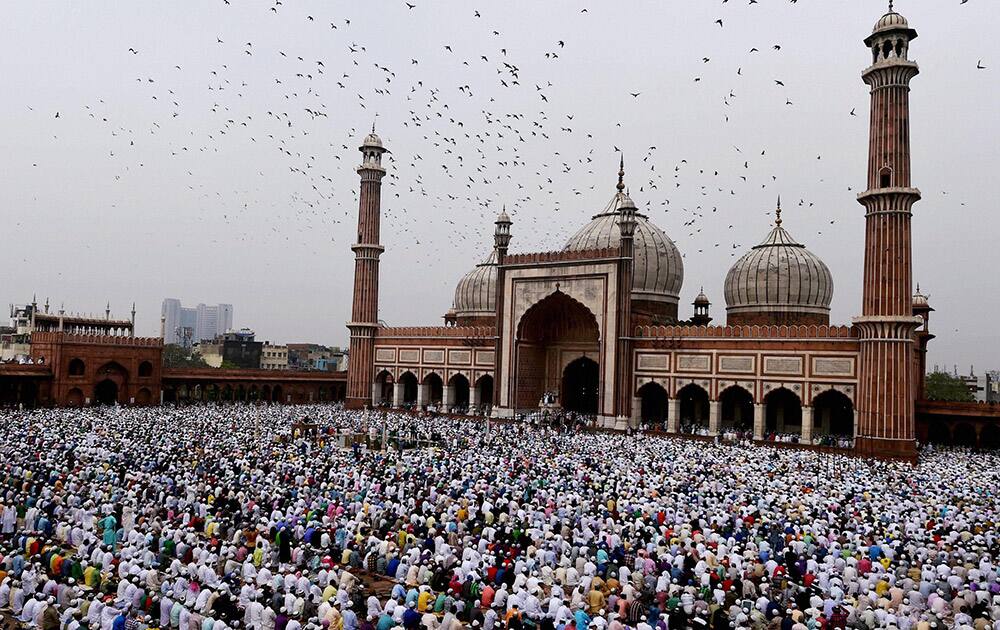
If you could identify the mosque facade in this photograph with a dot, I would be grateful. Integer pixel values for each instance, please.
(597, 328)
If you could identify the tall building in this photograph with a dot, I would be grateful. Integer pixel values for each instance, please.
(188, 326)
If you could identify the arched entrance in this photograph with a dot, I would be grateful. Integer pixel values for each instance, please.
(783, 412)
(433, 389)
(581, 386)
(74, 398)
(144, 396)
(693, 408)
(551, 339)
(459, 398)
(111, 379)
(409, 383)
(106, 392)
(383, 388)
(833, 414)
(484, 386)
(737, 408)
(654, 404)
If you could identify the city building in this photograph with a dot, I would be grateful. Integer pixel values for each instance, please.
(595, 328)
(233, 349)
(274, 356)
(314, 356)
(188, 326)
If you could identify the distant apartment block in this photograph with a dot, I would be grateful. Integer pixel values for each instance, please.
(187, 326)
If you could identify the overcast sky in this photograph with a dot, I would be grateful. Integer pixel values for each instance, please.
(212, 164)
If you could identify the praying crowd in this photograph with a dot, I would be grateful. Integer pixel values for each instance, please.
(219, 518)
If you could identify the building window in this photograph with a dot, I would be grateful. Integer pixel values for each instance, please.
(145, 369)
(77, 367)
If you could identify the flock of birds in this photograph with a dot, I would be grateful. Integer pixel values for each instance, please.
(482, 118)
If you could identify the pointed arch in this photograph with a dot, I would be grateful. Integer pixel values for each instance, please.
(460, 388)
(833, 414)
(736, 407)
(694, 402)
(654, 404)
(782, 412)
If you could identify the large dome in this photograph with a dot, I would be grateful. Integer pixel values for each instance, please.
(475, 295)
(779, 281)
(658, 271)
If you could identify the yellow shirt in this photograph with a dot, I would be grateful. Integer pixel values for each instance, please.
(423, 600)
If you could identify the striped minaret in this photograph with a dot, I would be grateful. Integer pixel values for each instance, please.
(364, 314)
(886, 389)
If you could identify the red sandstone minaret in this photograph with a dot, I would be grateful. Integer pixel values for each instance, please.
(624, 385)
(364, 314)
(886, 390)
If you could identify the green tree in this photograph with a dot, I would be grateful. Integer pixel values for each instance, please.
(944, 386)
(176, 356)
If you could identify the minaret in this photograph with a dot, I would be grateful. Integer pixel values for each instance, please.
(364, 314)
(623, 386)
(501, 241)
(886, 388)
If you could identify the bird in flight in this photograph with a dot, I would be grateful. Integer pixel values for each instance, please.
(635, 94)
(980, 65)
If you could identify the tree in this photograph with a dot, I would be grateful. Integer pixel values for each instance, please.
(944, 386)
(176, 356)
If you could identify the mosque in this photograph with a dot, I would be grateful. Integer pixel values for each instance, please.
(597, 328)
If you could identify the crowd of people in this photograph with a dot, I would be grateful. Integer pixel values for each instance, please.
(217, 518)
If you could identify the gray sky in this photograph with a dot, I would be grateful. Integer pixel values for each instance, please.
(193, 169)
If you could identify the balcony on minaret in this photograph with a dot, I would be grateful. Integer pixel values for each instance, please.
(890, 39)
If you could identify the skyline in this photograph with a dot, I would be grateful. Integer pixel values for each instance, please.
(253, 255)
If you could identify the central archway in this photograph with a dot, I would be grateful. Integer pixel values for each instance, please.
(552, 335)
(113, 378)
(581, 386)
(106, 392)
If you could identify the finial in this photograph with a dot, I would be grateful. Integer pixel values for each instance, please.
(621, 173)
(777, 212)
(890, 6)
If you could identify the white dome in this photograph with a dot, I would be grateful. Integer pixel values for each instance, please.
(658, 271)
(779, 276)
(475, 295)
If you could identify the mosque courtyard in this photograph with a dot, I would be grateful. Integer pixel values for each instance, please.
(219, 517)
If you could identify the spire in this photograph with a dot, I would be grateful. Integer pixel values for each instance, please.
(777, 213)
(621, 173)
